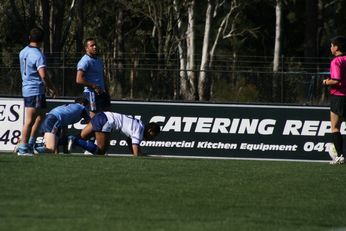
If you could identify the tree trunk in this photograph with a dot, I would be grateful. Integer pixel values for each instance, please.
(133, 73)
(311, 39)
(182, 91)
(32, 14)
(277, 47)
(80, 26)
(117, 84)
(203, 81)
(68, 26)
(57, 16)
(45, 24)
(190, 43)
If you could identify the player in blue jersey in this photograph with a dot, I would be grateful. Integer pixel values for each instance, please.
(90, 75)
(103, 123)
(34, 83)
(55, 124)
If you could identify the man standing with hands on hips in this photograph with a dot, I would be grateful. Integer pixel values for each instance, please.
(337, 84)
(90, 75)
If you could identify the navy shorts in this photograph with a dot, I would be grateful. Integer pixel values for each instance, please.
(97, 102)
(51, 124)
(100, 123)
(36, 101)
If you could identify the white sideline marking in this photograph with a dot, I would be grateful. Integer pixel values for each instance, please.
(239, 158)
(210, 158)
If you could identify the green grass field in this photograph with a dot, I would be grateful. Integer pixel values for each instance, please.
(125, 193)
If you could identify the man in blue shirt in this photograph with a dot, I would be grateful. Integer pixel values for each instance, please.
(34, 83)
(90, 75)
(56, 123)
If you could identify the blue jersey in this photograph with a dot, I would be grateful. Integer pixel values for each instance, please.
(70, 113)
(93, 71)
(31, 59)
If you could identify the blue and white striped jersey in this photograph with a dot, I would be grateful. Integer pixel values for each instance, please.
(129, 126)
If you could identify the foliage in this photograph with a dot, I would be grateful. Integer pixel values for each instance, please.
(243, 91)
(127, 29)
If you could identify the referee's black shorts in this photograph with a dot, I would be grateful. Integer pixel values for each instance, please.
(338, 105)
(97, 102)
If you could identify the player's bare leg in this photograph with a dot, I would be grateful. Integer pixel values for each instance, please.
(39, 116)
(51, 142)
(30, 114)
(102, 140)
(87, 132)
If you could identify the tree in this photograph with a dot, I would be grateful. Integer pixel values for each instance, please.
(203, 80)
(277, 42)
(158, 37)
(185, 81)
(191, 49)
(277, 49)
(311, 26)
(79, 25)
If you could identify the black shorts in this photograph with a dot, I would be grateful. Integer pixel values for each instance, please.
(97, 102)
(338, 105)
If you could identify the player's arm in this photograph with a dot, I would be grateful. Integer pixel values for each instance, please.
(136, 151)
(134, 148)
(330, 82)
(85, 117)
(80, 79)
(47, 82)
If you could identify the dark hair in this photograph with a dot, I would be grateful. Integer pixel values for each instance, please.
(88, 40)
(81, 100)
(36, 35)
(151, 131)
(154, 127)
(340, 42)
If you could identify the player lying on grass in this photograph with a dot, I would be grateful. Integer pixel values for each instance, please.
(55, 124)
(101, 126)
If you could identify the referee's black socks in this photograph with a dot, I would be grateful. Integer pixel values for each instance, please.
(337, 140)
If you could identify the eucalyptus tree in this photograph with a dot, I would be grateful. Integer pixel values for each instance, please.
(229, 24)
(278, 34)
(54, 16)
(277, 49)
(222, 20)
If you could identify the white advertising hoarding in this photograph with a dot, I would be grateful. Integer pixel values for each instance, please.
(11, 122)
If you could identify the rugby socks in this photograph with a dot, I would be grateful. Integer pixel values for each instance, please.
(32, 141)
(41, 149)
(63, 141)
(86, 144)
(337, 140)
(23, 147)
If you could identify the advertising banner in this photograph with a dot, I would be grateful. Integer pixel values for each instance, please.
(11, 122)
(215, 130)
(232, 130)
